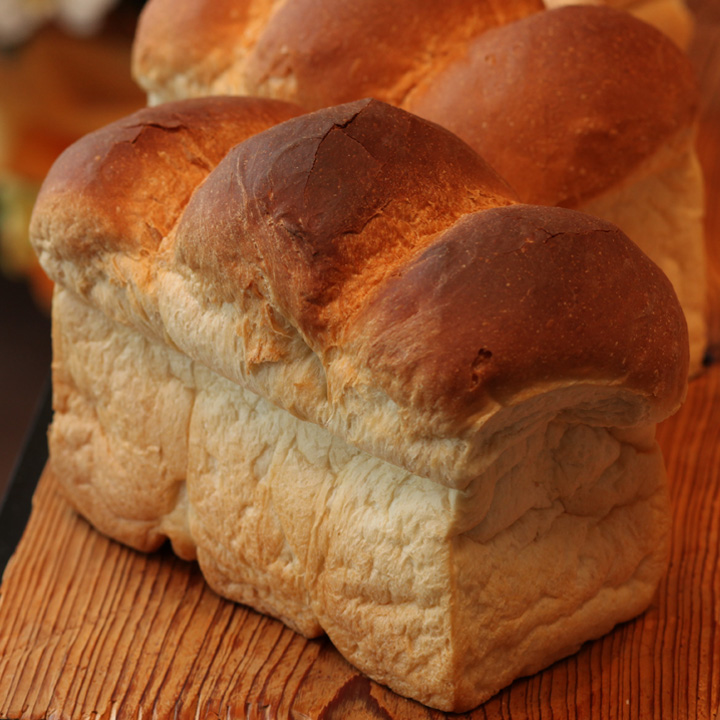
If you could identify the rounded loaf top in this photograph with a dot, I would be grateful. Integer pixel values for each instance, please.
(384, 239)
(514, 300)
(567, 103)
(326, 206)
(123, 187)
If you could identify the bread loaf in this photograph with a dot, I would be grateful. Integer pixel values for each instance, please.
(583, 107)
(368, 390)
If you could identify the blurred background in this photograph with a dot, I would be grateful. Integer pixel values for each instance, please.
(64, 71)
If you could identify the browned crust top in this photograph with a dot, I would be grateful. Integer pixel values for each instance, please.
(371, 48)
(566, 103)
(135, 176)
(335, 52)
(380, 238)
(522, 296)
(384, 236)
(329, 204)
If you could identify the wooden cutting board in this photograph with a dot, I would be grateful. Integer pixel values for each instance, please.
(89, 628)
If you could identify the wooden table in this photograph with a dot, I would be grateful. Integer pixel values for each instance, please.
(91, 629)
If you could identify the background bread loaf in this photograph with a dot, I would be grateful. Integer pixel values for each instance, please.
(584, 107)
(270, 380)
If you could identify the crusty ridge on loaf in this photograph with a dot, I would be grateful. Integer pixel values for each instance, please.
(366, 388)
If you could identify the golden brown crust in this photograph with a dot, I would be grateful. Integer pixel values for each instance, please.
(126, 175)
(329, 204)
(520, 297)
(566, 103)
(370, 229)
(366, 49)
(672, 17)
(583, 106)
(347, 51)
(199, 33)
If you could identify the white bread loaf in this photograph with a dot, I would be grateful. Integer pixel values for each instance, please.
(583, 107)
(371, 393)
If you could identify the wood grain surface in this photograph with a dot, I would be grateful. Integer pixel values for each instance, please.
(89, 628)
